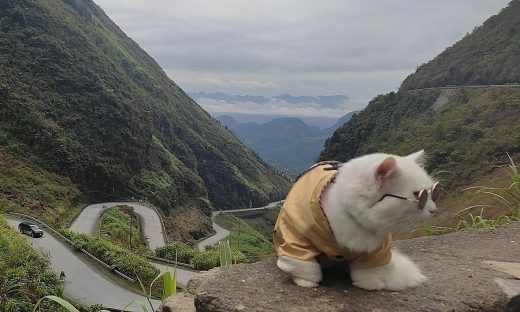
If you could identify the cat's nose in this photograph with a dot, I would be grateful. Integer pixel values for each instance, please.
(431, 207)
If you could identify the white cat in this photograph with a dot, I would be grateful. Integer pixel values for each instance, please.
(355, 210)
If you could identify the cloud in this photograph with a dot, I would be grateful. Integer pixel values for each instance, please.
(303, 47)
(303, 106)
(272, 108)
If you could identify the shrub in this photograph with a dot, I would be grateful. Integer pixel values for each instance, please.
(206, 259)
(184, 253)
(125, 261)
(210, 258)
(115, 226)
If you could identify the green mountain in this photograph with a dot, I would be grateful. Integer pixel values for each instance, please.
(85, 110)
(287, 143)
(465, 131)
(489, 55)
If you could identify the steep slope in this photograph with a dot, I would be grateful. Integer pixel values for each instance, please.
(465, 131)
(465, 138)
(82, 100)
(489, 55)
(287, 143)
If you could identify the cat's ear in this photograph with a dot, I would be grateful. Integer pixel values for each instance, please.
(419, 157)
(386, 168)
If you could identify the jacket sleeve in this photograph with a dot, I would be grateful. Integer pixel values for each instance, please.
(379, 257)
(288, 242)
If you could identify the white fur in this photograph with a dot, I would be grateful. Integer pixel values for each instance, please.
(361, 222)
(304, 273)
(399, 274)
(357, 190)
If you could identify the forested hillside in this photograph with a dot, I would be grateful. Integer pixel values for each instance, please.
(464, 137)
(84, 105)
(466, 132)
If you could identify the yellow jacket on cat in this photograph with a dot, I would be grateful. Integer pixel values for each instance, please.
(303, 232)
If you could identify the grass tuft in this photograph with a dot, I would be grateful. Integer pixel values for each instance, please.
(508, 198)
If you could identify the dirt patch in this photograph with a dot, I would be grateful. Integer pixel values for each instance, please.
(187, 224)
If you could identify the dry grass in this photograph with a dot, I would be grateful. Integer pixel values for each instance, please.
(480, 205)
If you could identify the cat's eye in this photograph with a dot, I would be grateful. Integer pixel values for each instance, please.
(436, 191)
(422, 198)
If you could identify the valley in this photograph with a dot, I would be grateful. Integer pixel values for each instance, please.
(286, 143)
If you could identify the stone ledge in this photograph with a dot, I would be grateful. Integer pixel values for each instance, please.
(461, 278)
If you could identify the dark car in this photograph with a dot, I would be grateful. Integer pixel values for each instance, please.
(30, 229)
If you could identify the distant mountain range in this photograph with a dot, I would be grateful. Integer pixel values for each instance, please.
(287, 143)
(321, 111)
(322, 100)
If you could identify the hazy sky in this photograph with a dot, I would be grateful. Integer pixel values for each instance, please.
(359, 48)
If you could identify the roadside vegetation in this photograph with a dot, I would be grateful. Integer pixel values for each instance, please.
(200, 259)
(245, 242)
(125, 261)
(25, 275)
(121, 226)
(169, 287)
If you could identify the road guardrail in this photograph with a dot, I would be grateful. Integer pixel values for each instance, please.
(68, 241)
(181, 264)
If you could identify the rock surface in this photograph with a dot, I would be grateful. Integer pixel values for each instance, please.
(460, 267)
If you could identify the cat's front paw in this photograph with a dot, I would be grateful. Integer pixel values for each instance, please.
(304, 283)
(370, 284)
(399, 274)
(304, 273)
(411, 278)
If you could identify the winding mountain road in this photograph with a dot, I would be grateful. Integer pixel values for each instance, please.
(220, 232)
(84, 283)
(86, 222)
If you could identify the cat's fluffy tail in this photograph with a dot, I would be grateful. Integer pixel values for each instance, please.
(399, 274)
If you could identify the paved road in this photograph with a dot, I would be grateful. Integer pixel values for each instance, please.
(87, 219)
(271, 205)
(220, 232)
(84, 283)
(511, 85)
